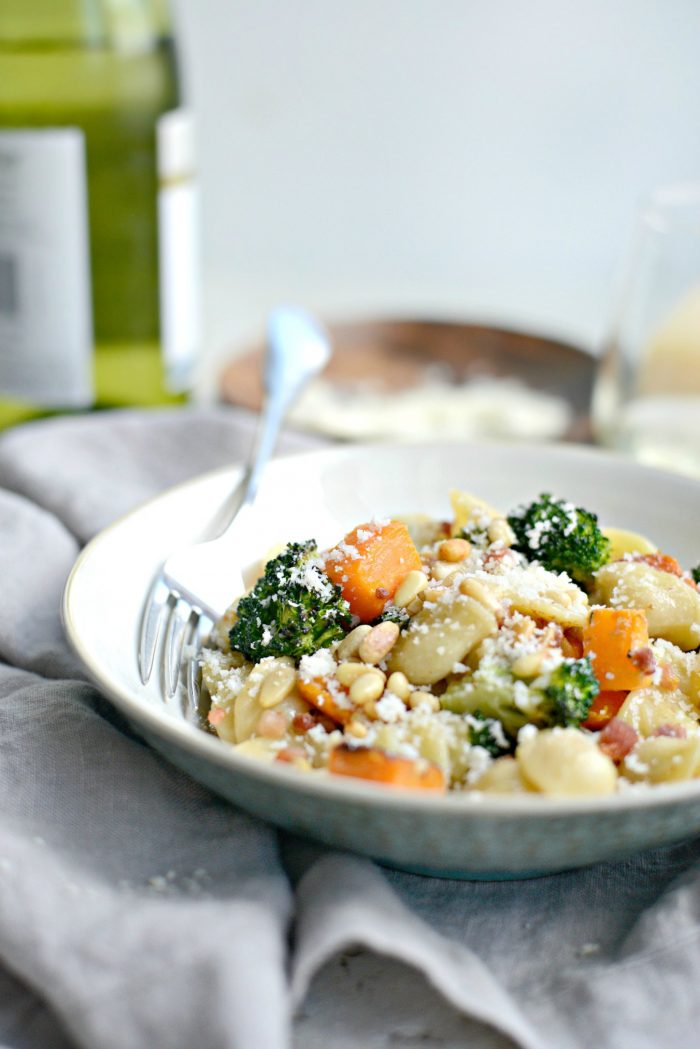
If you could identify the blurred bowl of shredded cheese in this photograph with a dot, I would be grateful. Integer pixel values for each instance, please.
(416, 379)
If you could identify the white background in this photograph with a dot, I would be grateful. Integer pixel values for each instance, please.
(469, 158)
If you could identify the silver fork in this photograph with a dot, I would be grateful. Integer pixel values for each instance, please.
(190, 592)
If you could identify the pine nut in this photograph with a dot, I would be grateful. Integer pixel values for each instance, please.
(277, 685)
(356, 729)
(442, 570)
(272, 724)
(410, 587)
(348, 673)
(454, 550)
(351, 642)
(523, 627)
(528, 665)
(471, 587)
(379, 642)
(418, 698)
(414, 606)
(366, 689)
(433, 594)
(398, 684)
(499, 531)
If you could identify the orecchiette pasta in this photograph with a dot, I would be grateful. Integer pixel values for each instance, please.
(562, 761)
(646, 710)
(541, 594)
(681, 668)
(440, 635)
(471, 511)
(501, 777)
(663, 759)
(623, 542)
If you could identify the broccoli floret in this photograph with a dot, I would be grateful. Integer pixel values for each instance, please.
(488, 734)
(695, 573)
(491, 692)
(476, 534)
(561, 536)
(571, 690)
(394, 614)
(293, 610)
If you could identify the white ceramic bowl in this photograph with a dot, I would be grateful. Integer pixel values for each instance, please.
(322, 495)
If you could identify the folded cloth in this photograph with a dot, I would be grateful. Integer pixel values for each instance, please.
(88, 470)
(137, 910)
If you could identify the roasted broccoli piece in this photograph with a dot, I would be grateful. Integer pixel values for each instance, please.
(561, 536)
(476, 534)
(571, 690)
(394, 614)
(491, 692)
(293, 610)
(695, 573)
(488, 734)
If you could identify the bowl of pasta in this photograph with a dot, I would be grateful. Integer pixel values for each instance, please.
(471, 660)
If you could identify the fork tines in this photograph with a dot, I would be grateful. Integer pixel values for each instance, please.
(185, 627)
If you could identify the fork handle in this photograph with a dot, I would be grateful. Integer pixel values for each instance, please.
(297, 349)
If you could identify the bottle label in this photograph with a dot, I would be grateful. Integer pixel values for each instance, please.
(45, 292)
(178, 236)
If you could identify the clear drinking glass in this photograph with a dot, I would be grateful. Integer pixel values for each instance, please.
(646, 400)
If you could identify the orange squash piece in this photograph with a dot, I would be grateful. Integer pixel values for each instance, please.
(318, 694)
(370, 563)
(379, 767)
(604, 708)
(572, 643)
(615, 639)
(664, 562)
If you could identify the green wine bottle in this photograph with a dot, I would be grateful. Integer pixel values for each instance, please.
(97, 242)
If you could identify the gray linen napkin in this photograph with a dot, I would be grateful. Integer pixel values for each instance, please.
(138, 910)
